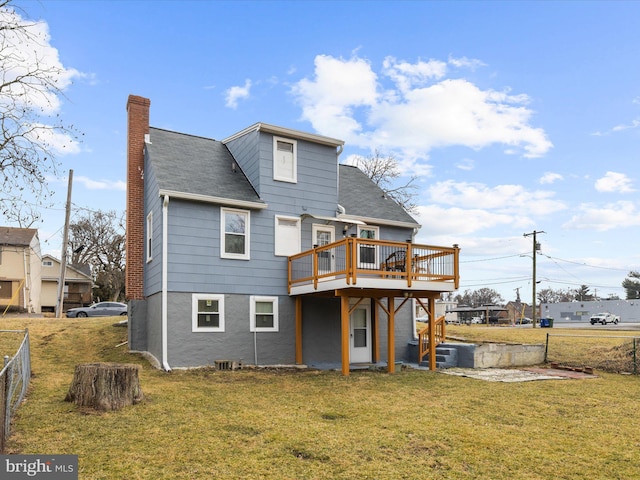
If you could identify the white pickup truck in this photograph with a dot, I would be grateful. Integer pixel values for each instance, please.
(604, 318)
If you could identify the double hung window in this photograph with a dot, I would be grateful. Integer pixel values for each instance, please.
(207, 313)
(235, 234)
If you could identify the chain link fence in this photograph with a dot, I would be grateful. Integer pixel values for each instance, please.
(14, 381)
(609, 353)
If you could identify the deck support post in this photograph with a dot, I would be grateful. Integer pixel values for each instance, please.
(344, 318)
(391, 336)
(432, 333)
(298, 330)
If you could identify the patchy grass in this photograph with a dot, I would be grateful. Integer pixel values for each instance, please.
(279, 424)
(609, 350)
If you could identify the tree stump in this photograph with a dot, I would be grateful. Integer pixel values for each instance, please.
(105, 386)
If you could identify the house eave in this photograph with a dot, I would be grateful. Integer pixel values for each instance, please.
(376, 221)
(287, 132)
(332, 219)
(196, 197)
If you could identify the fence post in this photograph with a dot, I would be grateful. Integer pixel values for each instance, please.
(546, 349)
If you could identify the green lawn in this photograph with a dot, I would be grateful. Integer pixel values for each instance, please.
(278, 424)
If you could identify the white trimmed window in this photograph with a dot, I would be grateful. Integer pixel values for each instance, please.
(287, 238)
(207, 313)
(368, 254)
(285, 160)
(264, 314)
(149, 237)
(234, 241)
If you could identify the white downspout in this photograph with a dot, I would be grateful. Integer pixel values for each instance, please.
(165, 243)
(25, 286)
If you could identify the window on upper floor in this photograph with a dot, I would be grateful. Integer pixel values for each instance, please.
(264, 314)
(149, 237)
(287, 237)
(285, 161)
(207, 313)
(368, 254)
(47, 263)
(235, 233)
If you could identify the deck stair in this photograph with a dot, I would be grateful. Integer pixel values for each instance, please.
(446, 357)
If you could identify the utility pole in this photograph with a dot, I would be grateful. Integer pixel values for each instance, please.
(63, 260)
(536, 247)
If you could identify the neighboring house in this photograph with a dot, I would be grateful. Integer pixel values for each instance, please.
(261, 248)
(77, 285)
(20, 269)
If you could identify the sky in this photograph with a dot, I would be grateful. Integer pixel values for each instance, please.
(514, 117)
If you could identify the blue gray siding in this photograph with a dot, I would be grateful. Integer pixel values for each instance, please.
(187, 348)
(153, 203)
(244, 150)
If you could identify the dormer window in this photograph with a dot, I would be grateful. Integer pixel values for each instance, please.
(285, 154)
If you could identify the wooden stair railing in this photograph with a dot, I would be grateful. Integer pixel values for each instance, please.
(424, 335)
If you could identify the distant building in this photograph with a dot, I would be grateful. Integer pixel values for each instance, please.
(575, 312)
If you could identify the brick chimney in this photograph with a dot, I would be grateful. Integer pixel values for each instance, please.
(137, 128)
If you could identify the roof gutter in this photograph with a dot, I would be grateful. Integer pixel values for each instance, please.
(165, 275)
(375, 221)
(287, 132)
(196, 197)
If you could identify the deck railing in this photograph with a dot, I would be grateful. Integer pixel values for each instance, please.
(353, 258)
(425, 337)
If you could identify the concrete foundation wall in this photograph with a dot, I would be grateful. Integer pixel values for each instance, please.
(490, 355)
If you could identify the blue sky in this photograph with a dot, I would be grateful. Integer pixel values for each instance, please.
(516, 116)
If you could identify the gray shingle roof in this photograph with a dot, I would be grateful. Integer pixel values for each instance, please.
(197, 165)
(16, 236)
(361, 197)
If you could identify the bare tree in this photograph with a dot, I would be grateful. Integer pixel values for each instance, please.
(31, 85)
(97, 239)
(477, 298)
(385, 171)
(549, 295)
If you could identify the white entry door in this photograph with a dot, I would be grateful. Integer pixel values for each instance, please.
(360, 342)
(323, 235)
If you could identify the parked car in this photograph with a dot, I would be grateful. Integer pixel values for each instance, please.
(101, 309)
(604, 318)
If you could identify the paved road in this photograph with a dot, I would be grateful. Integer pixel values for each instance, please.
(597, 327)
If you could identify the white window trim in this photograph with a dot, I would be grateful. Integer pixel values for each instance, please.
(276, 176)
(149, 242)
(194, 312)
(252, 317)
(247, 227)
(376, 261)
(277, 249)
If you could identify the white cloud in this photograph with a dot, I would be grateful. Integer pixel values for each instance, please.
(550, 177)
(23, 58)
(512, 199)
(464, 62)
(615, 215)
(634, 124)
(412, 109)
(91, 184)
(408, 75)
(466, 164)
(236, 93)
(618, 128)
(56, 141)
(459, 220)
(614, 182)
(339, 87)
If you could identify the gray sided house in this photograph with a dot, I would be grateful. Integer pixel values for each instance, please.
(262, 248)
